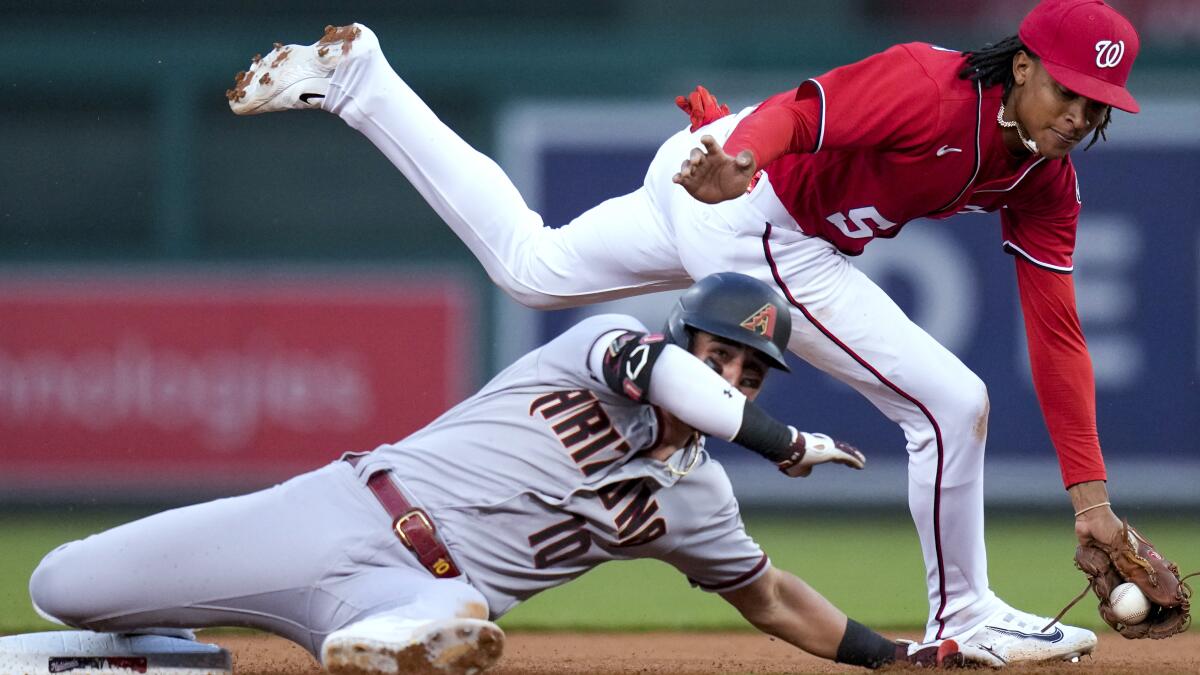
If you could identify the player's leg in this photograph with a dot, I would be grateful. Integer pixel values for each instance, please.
(616, 249)
(286, 560)
(408, 621)
(846, 325)
(425, 623)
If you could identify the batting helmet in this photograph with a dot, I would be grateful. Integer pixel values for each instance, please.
(735, 307)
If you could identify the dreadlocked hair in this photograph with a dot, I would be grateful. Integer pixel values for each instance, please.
(992, 65)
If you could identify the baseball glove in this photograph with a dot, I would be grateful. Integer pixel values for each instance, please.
(1130, 557)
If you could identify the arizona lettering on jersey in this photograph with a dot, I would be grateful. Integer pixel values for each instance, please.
(582, 426)
(570, 538)
(566, 485)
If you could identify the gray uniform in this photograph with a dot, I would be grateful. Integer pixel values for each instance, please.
(531, 482)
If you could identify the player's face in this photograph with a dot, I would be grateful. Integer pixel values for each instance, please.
(739, 365)
(1052, 115)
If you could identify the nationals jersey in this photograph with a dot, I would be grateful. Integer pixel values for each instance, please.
(540, 477)
(899, 136)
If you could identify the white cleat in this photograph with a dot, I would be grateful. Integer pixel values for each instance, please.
(384, 645)
(81, 652)
(1011, 636)
(296, 77)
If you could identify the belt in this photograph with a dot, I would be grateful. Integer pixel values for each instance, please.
(411, 524)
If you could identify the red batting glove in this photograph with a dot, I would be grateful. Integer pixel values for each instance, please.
(701, 107)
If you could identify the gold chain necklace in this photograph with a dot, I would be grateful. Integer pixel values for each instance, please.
(1028, 142)
(690, 456)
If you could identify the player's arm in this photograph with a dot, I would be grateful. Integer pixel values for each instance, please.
(778, 127)
(1066, 390)
(781, 604)
(647, 369)
(884, 101)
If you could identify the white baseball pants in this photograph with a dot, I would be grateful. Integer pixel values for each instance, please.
(659, 238)
(301, 560)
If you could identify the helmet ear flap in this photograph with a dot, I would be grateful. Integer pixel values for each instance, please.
(677, 331)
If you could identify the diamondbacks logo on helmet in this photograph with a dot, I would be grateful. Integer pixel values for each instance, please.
(762, 321)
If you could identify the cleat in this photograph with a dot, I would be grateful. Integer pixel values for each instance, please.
(944, 654)
(296, 77)
(1011, 636)
(79, 652)
(383, 645)
(950, 656)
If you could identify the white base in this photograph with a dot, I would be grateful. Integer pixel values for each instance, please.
(88, 653)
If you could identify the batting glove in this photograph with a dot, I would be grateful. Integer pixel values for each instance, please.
(808, 450)
(701, 107)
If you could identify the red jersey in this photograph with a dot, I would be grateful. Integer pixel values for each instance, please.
(856, 153)
(899, 136)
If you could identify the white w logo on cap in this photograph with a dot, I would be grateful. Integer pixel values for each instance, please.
(1109, 53)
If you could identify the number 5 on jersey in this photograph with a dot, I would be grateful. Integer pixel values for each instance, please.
(861, 219)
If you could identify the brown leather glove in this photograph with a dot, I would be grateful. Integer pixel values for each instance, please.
(701, 107)
(1130, 557)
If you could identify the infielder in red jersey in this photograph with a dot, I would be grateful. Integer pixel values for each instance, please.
(788, 192)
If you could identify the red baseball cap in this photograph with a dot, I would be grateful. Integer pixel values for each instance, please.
(1086, 46)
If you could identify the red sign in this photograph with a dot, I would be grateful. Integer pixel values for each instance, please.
(157, 382)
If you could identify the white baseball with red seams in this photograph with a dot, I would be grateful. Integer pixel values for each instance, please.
(1129, 604)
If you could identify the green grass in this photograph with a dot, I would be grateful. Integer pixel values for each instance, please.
(867, 564)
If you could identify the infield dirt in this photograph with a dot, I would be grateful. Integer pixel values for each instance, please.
(705, 653)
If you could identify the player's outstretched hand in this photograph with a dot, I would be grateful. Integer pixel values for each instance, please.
(711, 176)
(810, 450)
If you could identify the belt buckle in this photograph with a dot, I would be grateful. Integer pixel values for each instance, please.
(399, 524)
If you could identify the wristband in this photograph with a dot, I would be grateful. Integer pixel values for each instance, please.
(1093, 506)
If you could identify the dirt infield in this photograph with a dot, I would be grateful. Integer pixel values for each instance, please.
(677, 653)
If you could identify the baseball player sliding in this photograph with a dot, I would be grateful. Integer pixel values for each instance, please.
(787, 191)
(586, 450)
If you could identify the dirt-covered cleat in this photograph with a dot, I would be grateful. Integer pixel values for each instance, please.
(80, 652)
(1011, 636)
(296, 77)
(384, 645)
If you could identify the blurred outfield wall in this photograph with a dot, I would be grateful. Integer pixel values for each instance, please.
(123, 168)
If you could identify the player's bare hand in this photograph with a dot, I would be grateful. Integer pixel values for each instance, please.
(711, 176)
(1095, 522)
(1098, 526)
(810, 450)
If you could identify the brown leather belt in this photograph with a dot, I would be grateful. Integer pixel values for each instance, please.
(410, 524)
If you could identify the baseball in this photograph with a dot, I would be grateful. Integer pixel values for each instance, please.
(1129, 604)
